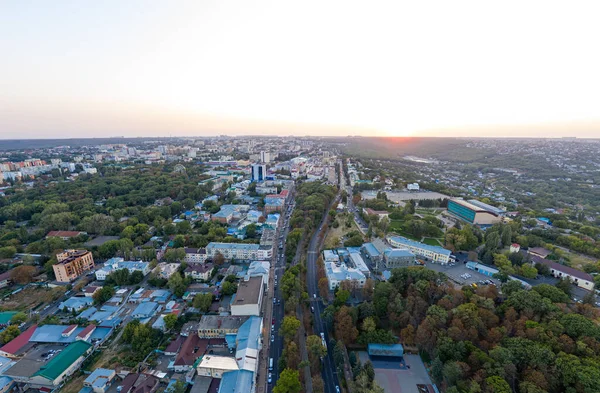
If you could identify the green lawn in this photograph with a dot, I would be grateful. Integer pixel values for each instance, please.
(431, 241)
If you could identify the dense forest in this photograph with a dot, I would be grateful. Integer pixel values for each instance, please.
(478, 340)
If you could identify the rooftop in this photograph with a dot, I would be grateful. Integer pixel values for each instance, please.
(59, 363)
(397, 253)
(218, 362)
(248, 292)
(236, 381)
(227, 322)
(371, 250)
(423, 246)
(19, 342)
(233, 246)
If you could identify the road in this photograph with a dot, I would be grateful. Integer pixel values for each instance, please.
(330, 378)
(277, 311)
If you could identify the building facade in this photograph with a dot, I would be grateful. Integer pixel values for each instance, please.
(239, 251)
(398, 257)
(433, 253)
(474, 213)
(72, 264)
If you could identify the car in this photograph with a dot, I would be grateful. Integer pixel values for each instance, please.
(272, 328)
(337, 389)
(270, 379)
(315, 295)
(312, 309)
(274, 300)
(273, 321)
(272, 338)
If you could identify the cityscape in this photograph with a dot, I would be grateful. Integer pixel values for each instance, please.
(232, 264)
(208, 196)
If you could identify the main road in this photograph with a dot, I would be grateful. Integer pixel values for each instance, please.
(330, 378)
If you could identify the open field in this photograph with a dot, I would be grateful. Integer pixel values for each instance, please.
(338, 233)
(432, 241)
(30, 298)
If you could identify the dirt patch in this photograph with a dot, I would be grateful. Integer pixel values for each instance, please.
(31, 298)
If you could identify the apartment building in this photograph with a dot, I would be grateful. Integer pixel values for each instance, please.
(433, 253)
(239, 251)
(72, 264)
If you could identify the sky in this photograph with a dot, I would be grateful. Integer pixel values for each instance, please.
(373, 68)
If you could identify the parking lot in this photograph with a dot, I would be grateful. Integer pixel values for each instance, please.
(396, 377)
(457, 273)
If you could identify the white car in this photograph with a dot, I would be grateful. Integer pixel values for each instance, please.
(272, 338)
(270, 378)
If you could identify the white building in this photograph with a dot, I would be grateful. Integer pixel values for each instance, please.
(215, 366)
(265, 157)
(336, 273)
(433, 253)
(412, 187)
(248, 299)
(114, 264)
(239, 251)
(195, 255)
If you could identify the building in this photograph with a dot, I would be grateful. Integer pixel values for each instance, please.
(539, 252)
(359, 262)
(199, 272)
(239, 251)
(413, 187)
(433, 253)
(145, 310)
(515, 247)
(76, 303)
(371, 253)
(387, 350)
(72, 264)
(65, 235)
(398, 257)
(215, 366)
(259, 172)
(379, 213)
(5, 279)
(336, 273)
(577, 277)
(166, 270)
(248, 299)
(274, 204)
(265, 157)
(116, 263)
(218, 326)
(195, 255)
(49, 375)
(100, 380)
(474, 212)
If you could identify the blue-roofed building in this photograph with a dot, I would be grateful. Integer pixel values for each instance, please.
(76, 303)
(433, 253)
(398, 257)
(253, 216)
(239, 381)
(100, 380)
(248, 344)
(62, 334)
(117, 263)
(273, 219)
(6, 384)
(371, 253)
(388, 350)
(239, 251)
(145, 310)
(336, 273)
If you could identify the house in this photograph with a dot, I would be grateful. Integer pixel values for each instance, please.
(166, 270)
(218, 326)
(515, 247)
(215, 366)
(90, 290)
(174, 346)
(540, 252)
(195, 255)
(76, 303)
(116, 263)
(248, 299)
(200, 272)
(100, 380)
(145, 310)
(14, 347)
(379, 213)
(139, 383)
(5, 279)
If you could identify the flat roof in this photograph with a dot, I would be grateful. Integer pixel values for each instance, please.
(229, 322)
(412, 243)
(248, 292)
(219, 362)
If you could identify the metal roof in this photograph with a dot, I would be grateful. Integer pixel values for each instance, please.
(55, 367)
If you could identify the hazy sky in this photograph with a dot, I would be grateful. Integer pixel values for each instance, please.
(135, 68)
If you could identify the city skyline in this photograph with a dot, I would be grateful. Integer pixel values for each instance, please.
(266, 68)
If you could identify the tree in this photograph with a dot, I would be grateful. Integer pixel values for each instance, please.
(177, 284)
(104, 294)
(228, 288)
(289, 327)
(7, 252)
(345, 329)
(496, 384)
(118, 277)
(288, 382)
(341, 297)
(23, 274)
(565, 286)
(218, 259)
(551, 292)
(18, 318)
(324, 287)
(178, 387)
(203, 301)
(315, 346)
(170, 321)
(8, 334)
(174, 255)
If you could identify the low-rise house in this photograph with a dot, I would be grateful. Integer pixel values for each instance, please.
(5, 279)
(90, 290)
(166, 270)
(145, 310)
(540, 252)
(215, 366)
(100, 380)
(336, 273)
(577, 277)
(139, 383)
(116, 263)
(65, 235)
(76, 303)
(379, 213)
(200, 272)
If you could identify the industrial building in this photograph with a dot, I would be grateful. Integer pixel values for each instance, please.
(248, 299)
(475, 212)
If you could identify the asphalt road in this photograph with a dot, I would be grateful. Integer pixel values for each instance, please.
(328, 371)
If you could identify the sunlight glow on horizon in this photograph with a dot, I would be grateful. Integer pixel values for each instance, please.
(382, 68)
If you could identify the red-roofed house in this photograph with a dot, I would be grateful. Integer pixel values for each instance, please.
(515, 247)
(11, 348)
(69, 330)
(86, 333)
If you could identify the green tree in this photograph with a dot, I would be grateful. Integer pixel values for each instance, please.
(289, 327)
(103, 294)
(18, 318)
(315, 346)
(8, 334)
(496, 384)
(177, 284)
(288, 382)
(170, 321)
(203, 301)
(228, 288)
